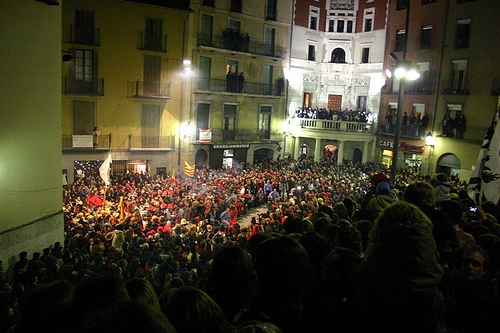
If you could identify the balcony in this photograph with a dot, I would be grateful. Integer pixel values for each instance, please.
(239, 44)
(141, 89)
(333, 125)
(152, 42)
(83, 87)
(231, 86)
(86, 142)
(245, 136)
(151, 142)
(454, 87)
(422, 86)
(82, 35)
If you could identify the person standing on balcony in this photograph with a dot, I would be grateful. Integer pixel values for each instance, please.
(241, 82)
(404, 123)
(423, 124)
(96, 134)
(460, 126)
(388, 122)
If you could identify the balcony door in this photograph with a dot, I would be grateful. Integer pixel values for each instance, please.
(265, 122)
(334, 102)
(152, 75)
(206, 30)
(83, 117)
(150, 126)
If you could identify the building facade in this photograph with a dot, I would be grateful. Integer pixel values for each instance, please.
(122, 81)
(469, 86)
(337, 53)
(236, 105)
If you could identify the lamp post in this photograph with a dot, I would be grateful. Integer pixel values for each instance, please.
(403, 72)
(186, 71)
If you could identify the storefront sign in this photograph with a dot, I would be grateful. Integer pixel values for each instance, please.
(231, 146)
(269, 146)
(403, 146)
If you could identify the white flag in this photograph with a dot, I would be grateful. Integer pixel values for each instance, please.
(484, 184)
(104, 170)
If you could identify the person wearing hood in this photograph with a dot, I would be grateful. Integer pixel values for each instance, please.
(382, 199)
(442, 187)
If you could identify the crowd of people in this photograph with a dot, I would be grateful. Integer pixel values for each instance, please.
(358, 115)
(338, 248)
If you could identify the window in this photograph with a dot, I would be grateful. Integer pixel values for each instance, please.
(331, 25)
(459, 70)
(232, 84)
(206, 30)
(267, 80)
(150, 126)
(402, 4)
(426, 2)
(152, 75)
(313, 17)
(204, 73)
(83, 117)
(425, 37)
(361, 104)
(270, 38)
(153, 35)
(271, 10)
(463, 31)
(85, 27)
(236, 6)
(400, 40)
(338, 56)
(202, 118)
(84, 65)
(209, 3)
(365, 55)
(311, 53)
(265, 122)
(369, 15)
(229, 122)
(349, 26)
(340, 26)
(235, 25)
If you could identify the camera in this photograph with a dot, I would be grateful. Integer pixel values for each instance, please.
(473, 209)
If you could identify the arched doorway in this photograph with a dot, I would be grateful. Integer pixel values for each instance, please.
(449, 164)
(200, 159)
(338, 56)
(357, 156)
(262, 154)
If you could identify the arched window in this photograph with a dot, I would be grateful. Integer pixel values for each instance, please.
(338, 56)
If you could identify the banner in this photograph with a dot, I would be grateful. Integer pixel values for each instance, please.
(189, 170)
(484, 184)
(104, 170)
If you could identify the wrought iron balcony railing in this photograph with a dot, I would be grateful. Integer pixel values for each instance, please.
(145, 89)
(234, 86)
(83, 87)
(454, 87)
(153, 42)
(151, 142)
(240, 44)
(82, 35)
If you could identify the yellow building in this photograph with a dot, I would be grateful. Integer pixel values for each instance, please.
(469, 85)
(122, 74)
(30, 128)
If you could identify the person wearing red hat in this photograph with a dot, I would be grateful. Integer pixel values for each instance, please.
(374, 181)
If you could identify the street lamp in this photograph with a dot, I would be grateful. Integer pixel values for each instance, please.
(403, 72)
(186, 72)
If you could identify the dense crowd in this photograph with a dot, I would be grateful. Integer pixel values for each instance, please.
(335, 244)
(358, 115)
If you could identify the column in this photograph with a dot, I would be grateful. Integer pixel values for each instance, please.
(317, 150)
(340, 152)
(364, 158)
(296, 149)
